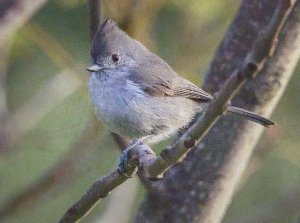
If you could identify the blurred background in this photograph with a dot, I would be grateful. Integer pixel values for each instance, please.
(52, 148)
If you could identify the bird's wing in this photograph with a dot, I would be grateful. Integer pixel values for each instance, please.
(185, 88)
(159, 79)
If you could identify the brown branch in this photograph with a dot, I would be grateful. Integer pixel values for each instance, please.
(142, 155)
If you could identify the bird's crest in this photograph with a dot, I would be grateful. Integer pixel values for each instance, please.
(109, 38)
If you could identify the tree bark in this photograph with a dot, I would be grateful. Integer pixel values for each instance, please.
(201, 188)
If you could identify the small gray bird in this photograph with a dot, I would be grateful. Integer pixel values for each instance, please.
(137, 94)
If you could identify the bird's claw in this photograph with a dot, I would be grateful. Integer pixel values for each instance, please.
(126, 157)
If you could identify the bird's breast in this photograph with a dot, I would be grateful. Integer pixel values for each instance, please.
(116, 101)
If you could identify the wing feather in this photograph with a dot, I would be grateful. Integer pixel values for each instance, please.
(185, 88)
(157, 78)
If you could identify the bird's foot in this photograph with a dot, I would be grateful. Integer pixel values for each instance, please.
(125, 158)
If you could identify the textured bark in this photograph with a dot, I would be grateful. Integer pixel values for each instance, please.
(201, 188)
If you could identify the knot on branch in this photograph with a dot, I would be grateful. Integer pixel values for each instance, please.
(248, 71)
(189, 143)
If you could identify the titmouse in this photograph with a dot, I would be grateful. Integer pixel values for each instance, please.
(138, 95)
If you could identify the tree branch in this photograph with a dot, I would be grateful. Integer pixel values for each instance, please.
(143, 157)
(96, 15)
(261, 49)
(140, 156)
(187, 195)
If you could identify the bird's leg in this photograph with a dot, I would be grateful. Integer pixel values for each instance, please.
(125, 156)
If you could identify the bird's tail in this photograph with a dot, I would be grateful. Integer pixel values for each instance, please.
(250, 116)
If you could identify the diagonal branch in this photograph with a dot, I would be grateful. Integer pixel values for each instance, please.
(14, 13)
(202, 187)
(103, 186)
(261, 49)
(142, 156)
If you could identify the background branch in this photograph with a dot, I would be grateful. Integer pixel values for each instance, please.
(5, 127)
(14, 13)
(96, 15)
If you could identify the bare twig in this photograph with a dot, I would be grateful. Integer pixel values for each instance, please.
(102, 187)
(122, 142)
(155, 167)
(124, 198)
(96, 15)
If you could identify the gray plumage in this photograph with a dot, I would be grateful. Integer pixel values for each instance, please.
(136, 93)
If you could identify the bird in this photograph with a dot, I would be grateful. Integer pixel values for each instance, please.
(137, 95)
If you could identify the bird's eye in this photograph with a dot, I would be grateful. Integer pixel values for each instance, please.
(115, 58)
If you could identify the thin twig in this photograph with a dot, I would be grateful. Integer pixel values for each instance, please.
(155, 167)
(122, 142)
(95, 9)
(103, 186)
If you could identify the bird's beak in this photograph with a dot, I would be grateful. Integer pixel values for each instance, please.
(94, 68)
